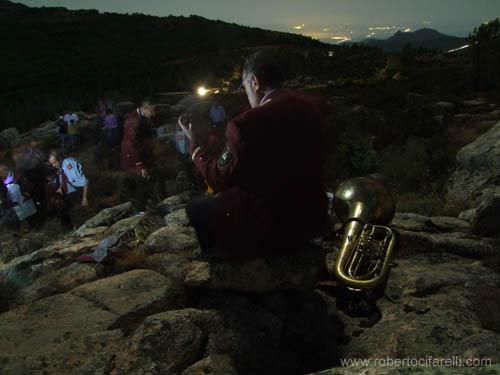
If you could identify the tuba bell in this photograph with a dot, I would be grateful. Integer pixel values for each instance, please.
(364, 206)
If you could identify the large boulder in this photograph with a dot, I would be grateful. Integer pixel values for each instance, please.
(477, 176)
(178, 217)
(467, 245)
(474, 102)
(9, 138)
(293, 272)
(133, 294)
(174, 203)
(106, 217)
(486, 221)
(20, 272)
(174, 341)
(173, 238)
(60, 281)
(56, 334)
(438, 305)
(45, 130)
(443, 107)
(419, 223)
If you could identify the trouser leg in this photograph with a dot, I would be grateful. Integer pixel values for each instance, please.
(201, 214)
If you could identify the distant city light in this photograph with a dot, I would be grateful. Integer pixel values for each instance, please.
(326, 29)
(202, 91)
(459, 48)
(299, 27)
(407, 30)
(382, 28)
(340, 39)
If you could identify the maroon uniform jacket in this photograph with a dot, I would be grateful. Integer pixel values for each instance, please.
(133, 148)
(269, 177)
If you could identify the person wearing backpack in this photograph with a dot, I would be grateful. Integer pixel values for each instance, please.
(69, 178)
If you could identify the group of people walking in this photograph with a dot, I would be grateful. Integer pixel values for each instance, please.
(40, 185)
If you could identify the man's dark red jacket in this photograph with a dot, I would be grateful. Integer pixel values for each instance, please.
(269, 176)
(134, 153)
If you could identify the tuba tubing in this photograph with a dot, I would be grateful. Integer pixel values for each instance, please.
(364, 205)
(346, 258)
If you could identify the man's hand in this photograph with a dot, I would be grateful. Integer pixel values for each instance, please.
(144, 172)
(187, 127)
(59, 191)
(85, 203)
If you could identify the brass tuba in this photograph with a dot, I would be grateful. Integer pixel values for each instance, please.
(365, 207)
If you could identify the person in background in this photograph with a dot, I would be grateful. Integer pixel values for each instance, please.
(73, 133)
(217, 115)
(31, 172)
(100, 112)
(135, 157)
(71, 119)
(8, 217)
(69, 179)
(62, 130)
(111, 128)
(136, 133)
(70, 116)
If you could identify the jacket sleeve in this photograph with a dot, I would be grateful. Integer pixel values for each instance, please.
(221, 168)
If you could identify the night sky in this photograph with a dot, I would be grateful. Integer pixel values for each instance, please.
(336, 20)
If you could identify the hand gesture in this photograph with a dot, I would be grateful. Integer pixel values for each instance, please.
(186, 126)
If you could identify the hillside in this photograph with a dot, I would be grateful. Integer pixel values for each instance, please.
(422, 38)
(54, 57)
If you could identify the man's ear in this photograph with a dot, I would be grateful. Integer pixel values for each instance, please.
(255, 82)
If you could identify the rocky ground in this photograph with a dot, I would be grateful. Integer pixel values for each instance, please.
(158, 306)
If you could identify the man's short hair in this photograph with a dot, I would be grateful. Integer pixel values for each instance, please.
(266, 67)
(56, 154)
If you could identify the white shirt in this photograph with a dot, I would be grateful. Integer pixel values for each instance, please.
(74, 172)
(70, 117)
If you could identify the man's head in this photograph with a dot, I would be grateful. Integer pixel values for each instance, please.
(261, 73)
(148, 109)
(55, 159)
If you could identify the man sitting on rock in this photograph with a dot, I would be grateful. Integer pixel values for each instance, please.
(70, 178)
(268, 177)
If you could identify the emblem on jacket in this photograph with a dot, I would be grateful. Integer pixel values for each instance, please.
(225, 158)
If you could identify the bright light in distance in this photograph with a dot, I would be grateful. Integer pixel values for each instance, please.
(459, 48)
(340, 39)
(407, 30)
(382, 28)
(202, 91)
(330, 54)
